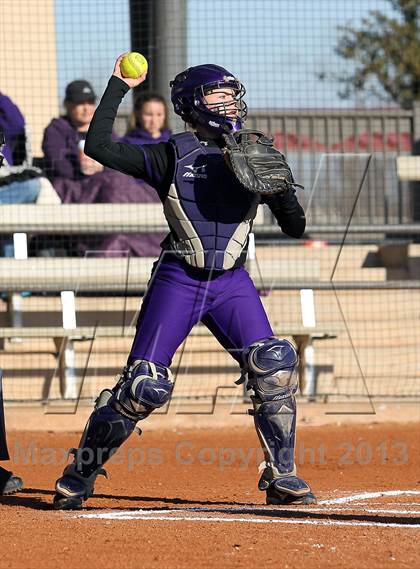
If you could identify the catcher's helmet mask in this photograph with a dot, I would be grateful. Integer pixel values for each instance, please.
(189, 90)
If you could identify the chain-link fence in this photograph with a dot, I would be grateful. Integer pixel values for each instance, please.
(347, 293)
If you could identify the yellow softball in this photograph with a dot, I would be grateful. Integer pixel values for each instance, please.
(133, 65)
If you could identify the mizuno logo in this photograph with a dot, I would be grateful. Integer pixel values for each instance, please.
(195, 171)
(196, 168)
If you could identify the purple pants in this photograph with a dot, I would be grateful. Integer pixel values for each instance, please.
(179, 296)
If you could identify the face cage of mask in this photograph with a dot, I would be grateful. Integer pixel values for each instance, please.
(222, 109)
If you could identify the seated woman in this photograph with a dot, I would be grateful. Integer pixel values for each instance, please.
(147, 125)
(79, 179)
(148, 121)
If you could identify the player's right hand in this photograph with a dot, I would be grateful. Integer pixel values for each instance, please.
(130, 82)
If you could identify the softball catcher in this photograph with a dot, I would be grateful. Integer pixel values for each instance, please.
(210, 183)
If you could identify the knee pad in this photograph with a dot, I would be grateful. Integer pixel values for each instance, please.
(142, 388)
(271, 366)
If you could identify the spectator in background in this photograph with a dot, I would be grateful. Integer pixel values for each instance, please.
(79, 179)
(147, 125)
(12, 123)
(65, 161)
(19, 181)
(148, 121)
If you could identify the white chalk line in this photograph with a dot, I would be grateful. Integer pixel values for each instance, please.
(169, 514)
(379, 511)
(268, 510)
(254, 509)
(245, 511)
(372, 504)
(112, 516)
(369, 496)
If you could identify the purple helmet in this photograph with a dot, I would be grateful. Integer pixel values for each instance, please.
(189, 89)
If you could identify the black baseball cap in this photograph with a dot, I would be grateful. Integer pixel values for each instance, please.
(80, 91)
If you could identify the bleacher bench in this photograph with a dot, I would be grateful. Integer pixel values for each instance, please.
(114, 274)
(84, 274)
(408, 168)
(115, 324)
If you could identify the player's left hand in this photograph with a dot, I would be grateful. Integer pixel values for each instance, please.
(257, 165)
(130, 82)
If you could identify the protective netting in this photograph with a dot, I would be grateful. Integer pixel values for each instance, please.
(347, 293)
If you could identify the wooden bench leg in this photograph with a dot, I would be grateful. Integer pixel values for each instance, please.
(14, 310)
(69, 388)
(60, 345)
(394, 257)
(306, 368)
(66, 367)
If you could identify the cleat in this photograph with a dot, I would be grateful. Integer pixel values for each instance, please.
(289, 491)
(73, 488)
(65, 503)
(14, 484)
(70, 493)
(277, 499)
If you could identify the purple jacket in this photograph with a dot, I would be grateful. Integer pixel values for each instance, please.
(13, 125)
(61, 151)
(141, 136)
(60, 146)
(62, 165)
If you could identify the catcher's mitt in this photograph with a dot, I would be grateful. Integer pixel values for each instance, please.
(258, 166)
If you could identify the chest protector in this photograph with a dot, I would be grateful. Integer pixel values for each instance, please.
(210, 214)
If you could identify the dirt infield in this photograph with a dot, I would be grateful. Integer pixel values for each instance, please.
(183, 498)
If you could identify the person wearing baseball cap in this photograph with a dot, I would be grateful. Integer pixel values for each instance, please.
(64, 136)
(79, 92)
(77, 178)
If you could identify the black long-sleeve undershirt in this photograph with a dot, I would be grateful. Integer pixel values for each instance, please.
(155, 163)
